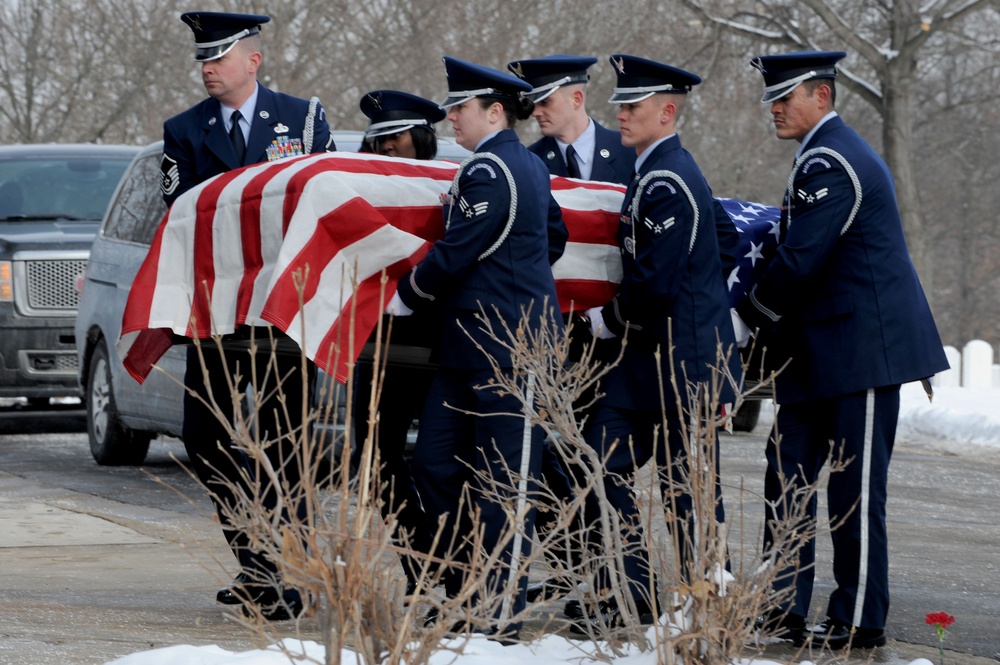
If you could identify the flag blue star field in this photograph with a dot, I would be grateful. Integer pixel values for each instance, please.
(758, 226)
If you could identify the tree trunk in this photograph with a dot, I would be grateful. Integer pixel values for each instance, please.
(898, 77)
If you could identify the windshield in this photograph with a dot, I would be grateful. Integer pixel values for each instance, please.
(71, 188)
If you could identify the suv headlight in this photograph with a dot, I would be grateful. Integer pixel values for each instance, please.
(6, 281)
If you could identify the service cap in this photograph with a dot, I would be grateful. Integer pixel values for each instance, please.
(216, 33)
(467, 80)
(393, 111)
(547, 74)
(639, 78)
(787, 71)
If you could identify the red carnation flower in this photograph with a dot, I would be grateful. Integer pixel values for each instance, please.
(942, 619)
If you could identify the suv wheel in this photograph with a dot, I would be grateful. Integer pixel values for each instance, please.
(111, 443)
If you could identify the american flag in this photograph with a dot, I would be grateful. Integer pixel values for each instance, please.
(239, 249)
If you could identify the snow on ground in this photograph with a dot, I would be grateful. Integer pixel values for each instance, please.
(957, 420)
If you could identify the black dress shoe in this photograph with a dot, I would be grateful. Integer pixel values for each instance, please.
(835, 635)
(607, 615)
(235, 593)
(783, 625)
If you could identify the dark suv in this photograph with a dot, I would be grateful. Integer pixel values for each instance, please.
(52, 198)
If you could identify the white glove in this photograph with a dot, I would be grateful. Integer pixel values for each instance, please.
(397, 307)
(597, 327)
(740, 328)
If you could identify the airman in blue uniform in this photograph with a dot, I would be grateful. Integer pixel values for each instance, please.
(400, 125)
(572, 145)
(197, 143)
(241, 123)
(493, 261)
(672, 299)
(559, 85)
(841, 302)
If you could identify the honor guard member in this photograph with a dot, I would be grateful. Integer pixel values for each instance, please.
(201, 142)
(573, 144)
(400, 125)
(493, 261)
(841, 301)
(241, 122)
(673, 300)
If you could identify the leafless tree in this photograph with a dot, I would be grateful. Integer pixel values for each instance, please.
(920, 84)
(886, 41)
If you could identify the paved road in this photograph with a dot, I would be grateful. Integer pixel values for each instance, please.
(99, 562)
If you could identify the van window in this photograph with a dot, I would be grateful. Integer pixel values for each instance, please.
(136, 213)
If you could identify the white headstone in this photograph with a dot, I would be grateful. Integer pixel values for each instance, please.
(950, 378)
(977, 365)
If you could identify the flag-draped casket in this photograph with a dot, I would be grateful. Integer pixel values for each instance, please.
(302, 244)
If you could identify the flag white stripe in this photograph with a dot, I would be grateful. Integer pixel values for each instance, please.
(589, 261)
(381, 248)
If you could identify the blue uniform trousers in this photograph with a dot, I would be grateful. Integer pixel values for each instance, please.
(859, 427)
(450, 445)
(609, 424)
(220, 466)
(403, 390)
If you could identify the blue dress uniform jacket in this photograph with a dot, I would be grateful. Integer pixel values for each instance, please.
(672, 290)
(487, 258)
(841, 297)
(196, 146)
(615, 167)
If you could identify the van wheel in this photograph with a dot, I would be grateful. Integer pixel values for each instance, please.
(111, 443)
(746, 417)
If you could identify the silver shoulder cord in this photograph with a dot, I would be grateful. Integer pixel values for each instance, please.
(687, 192)
(513, 197)
(855, 181)
(307, 131)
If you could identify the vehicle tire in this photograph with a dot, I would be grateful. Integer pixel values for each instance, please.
(746, 417)
(111, 443)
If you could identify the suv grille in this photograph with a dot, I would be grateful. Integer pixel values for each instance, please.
(52, 284)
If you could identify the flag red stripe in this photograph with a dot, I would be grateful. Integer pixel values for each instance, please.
(344, 341)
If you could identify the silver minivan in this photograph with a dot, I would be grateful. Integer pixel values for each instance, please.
(122, 415)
